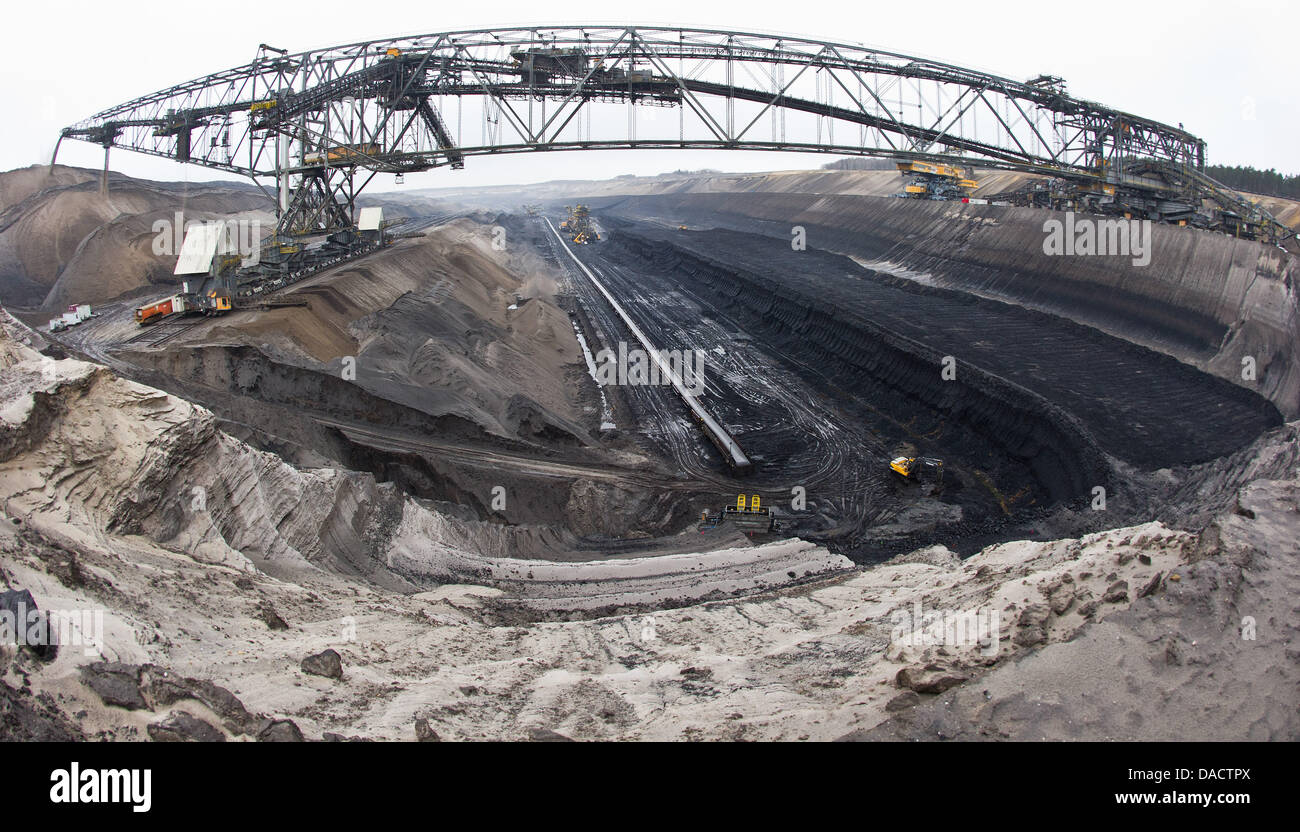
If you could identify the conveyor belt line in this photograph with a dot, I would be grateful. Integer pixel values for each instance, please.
(721, 438)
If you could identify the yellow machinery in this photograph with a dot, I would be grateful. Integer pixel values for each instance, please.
(934, 169)
(578, 225)
(343, 154)
(215, 303)
(918, 468)
(932, 180)
(749, 515)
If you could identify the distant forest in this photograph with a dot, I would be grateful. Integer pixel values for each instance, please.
(860, 164)
(1266, 182)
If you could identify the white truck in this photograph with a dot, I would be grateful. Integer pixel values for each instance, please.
(76, 313)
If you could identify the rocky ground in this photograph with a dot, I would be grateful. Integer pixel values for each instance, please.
(1206, 651)
(233, 540)
(232, 624)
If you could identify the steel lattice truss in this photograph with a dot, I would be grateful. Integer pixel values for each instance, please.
(414, 103)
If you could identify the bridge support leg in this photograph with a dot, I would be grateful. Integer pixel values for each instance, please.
(314, 204)
(103, 178)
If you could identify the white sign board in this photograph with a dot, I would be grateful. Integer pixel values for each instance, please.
(199, 248)
(370, 219)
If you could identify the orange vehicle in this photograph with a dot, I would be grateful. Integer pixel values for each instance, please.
(216, 304)
(153, 311)
(160, 309)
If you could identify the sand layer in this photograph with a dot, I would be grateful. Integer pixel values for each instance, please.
(1132, 632)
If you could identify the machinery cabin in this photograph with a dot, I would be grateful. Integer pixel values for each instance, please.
(918, 468)
(749, 515)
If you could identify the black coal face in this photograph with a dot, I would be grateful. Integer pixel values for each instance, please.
(1037, 405)
(892, 384)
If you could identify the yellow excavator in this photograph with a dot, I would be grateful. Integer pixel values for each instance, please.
(918, 468)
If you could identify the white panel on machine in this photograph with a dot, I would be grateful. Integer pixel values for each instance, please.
(199, 248)
(370, 219)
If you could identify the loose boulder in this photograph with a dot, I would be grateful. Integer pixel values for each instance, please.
(182, 726)
(280, 730)
(115, 683)
(327, 663)
(22, 623)
(929, 679)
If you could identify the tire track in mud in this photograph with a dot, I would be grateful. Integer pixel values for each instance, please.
(895, 374)
(657, 414)
(793, 434)
(1140, 405)
(1012, 455)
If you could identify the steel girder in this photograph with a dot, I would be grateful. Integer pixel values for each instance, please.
(413, 103)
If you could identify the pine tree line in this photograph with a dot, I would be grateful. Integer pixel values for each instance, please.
(1266, 182)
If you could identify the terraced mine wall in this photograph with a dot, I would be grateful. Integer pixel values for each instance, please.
(289, 410)
(1205, 298)
(997, 418)
(317, 421)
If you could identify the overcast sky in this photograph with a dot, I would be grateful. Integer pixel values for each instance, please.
(1225, 70)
